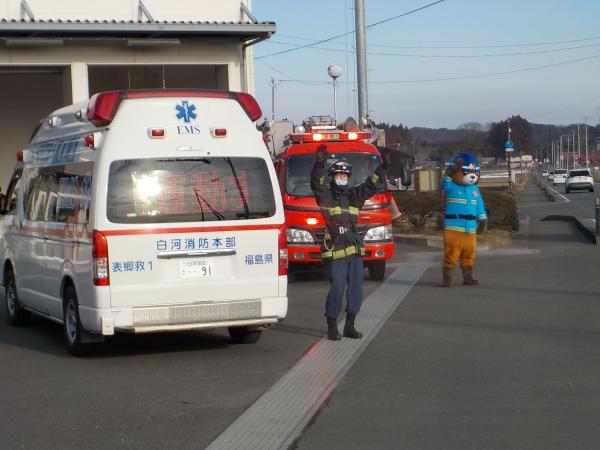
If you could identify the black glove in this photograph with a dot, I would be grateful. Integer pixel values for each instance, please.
(321, 156)
(482, 227)
(381, 173)
(387, 159)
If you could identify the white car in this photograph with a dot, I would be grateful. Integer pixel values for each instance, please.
(550, 175)
(560, 175)
(545, 173)
(579, 179)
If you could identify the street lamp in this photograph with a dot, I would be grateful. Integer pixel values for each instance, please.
(334, 71)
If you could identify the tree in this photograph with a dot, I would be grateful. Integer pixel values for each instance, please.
(521, 135)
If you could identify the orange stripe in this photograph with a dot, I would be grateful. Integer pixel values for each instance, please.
(190, 230)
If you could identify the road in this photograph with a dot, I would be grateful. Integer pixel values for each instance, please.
(510, 364)
(577, 203)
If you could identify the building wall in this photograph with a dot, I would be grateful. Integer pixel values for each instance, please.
(161, 10)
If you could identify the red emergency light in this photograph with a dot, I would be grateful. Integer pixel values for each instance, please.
(333, 135)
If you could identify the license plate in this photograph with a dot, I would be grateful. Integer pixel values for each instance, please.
(196, 268)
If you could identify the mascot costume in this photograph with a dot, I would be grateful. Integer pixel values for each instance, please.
(464, 211)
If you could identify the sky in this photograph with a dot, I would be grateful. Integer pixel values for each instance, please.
(552, 48)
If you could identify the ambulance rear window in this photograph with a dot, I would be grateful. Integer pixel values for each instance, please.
(189, 190)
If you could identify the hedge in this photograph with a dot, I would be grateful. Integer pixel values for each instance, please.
(424, 210)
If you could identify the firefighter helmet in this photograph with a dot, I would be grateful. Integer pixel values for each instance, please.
(339, 166)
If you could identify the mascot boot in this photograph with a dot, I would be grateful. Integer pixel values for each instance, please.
(447, 274)
(468, 276)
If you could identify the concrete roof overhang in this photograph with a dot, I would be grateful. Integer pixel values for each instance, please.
(245, 31)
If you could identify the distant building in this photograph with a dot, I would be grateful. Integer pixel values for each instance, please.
(53, 53)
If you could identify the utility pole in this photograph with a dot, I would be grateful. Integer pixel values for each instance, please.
(578, 144)
(586, 143)
(573, 149)
(361, 61)
(272, 98)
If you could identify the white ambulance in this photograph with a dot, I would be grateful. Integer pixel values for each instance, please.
(145, 211)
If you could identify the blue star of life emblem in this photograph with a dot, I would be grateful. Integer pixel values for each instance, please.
(185, 111)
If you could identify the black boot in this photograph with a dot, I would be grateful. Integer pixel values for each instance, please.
(349, 330)
(332, 330)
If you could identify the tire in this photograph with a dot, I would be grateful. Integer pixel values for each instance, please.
(15, 314)
(73, 329)
(567, 190)
(591, 189)
(242, 335)
(377, 270)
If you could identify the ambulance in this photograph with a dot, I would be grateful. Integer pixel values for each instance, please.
(146, 211)
(305, 223)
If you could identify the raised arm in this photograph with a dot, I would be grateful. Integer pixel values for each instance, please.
(318, 175)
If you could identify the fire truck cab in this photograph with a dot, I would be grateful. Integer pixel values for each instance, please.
(306, 225)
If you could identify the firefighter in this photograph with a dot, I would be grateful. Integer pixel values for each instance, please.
(342, 246)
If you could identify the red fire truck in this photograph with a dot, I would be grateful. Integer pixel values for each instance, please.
(306, 226)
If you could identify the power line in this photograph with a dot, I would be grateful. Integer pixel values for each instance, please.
(485, 75)
(535, 44)
(344, 34)
(489, 55)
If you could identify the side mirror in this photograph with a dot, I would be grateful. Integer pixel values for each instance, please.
(405, 176)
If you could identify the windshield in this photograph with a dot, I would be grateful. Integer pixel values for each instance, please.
(560, 172)
(299, 167)
(189, 190)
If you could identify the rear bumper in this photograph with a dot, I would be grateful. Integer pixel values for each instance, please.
(311, 254)
(203, 315)
(579, 185)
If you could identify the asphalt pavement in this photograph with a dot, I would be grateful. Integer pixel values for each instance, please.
(510, 364)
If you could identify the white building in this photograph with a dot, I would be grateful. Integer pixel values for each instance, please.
(57, 52)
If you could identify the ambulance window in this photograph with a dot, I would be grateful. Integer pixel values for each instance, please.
(10, 205)
(189, 190)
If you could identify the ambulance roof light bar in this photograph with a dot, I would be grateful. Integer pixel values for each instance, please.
(103, 106)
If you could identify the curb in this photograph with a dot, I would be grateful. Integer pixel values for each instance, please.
(544, 187)
(588, 231)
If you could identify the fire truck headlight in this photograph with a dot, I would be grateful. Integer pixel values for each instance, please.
(383, 233)
(295, 236)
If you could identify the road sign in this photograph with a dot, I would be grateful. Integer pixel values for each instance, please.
(508, 144)
(508, 149)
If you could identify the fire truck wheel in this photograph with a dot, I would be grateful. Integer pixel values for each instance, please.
(377, 270)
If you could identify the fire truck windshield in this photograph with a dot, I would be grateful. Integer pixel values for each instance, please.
(299, 168)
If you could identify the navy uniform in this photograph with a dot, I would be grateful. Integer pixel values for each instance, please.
(342, 246)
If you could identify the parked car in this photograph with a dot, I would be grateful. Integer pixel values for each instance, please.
(560, 175)
(579, 179)
(545, 172)
(551, 175)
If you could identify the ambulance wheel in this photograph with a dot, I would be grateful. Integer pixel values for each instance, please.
(72, 324)
(242, 335)
(377, 270)
(16, 315)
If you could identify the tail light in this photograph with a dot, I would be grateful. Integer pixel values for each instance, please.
(283, 251)
(100, 259)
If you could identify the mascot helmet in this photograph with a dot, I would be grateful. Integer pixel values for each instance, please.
(470, 164)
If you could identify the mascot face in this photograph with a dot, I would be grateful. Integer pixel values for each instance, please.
(464, 169)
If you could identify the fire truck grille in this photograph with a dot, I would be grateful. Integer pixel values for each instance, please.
(199, 313)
